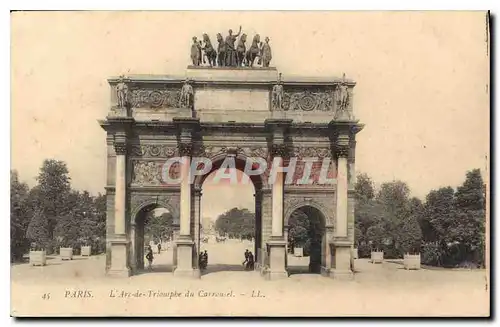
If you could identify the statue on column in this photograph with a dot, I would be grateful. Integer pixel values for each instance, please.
(122, 93)
(196, 52)
(187, 95)
(265, 54)
(230, 50)
(342, 100)
(277, 95)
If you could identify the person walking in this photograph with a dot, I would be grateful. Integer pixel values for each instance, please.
(159, 247)
(150, 258)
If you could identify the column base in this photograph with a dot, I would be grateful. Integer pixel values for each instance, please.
(119, 257)
(277, 259)
(185, 266)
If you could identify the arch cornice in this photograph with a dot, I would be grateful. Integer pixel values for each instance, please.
(294, 203)
(140, 202)
(218, 158)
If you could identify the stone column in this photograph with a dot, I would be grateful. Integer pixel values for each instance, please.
(277, 242)
(185, 244)
(119, 243)
(186, 128)
(342, 245)
(277, 198)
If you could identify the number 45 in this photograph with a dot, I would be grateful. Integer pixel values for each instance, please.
(46, 296)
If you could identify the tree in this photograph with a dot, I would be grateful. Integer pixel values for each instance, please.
(38, 230)
(54, 189)
(393, 197)
(364, 188)
(439, 214)
(237, 223)
(159, 227)
(410, 235)
(469, 228)
(19, 217)
(298, 228)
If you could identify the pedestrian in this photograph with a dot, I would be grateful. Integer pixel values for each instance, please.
(250, 264)
(246, 258)
(205, 259)
(159, 248)
(150, 258)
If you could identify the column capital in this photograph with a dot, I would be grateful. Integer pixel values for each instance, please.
(279, 150)
(120, 143)
(120, 148)
(185, 149)
(342, 145)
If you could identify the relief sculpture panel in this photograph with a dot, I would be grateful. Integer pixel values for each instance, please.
(151, 172)
(308, 100)
(155, 98)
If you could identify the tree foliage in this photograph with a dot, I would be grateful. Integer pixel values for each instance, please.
(236, 223)
(51, 214)
(159, 227)
(19, 216)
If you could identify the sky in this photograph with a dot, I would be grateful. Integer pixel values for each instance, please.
(422, 84)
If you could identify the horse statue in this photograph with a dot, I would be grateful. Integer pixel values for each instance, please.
(221, 51)
(209, 51)
(254, 51)
(241, 50)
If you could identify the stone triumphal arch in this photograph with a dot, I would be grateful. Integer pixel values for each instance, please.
(225, 112)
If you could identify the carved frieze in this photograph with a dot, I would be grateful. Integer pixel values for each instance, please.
(156, 98)
(308, 100)
(154, 150)
(312, 152)
(210, 151)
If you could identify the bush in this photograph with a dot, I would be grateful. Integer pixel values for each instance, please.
(431, 254)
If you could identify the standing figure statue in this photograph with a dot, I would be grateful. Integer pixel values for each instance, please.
(187, 95)
(277, 95)
(196, 52)
(265, 53)
(254, 51)
(230, 50)
(241, 50)
(343, 99)
(122, 93)
(221, 51)
(209, 51)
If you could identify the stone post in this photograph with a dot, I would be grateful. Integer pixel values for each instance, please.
(119, 243)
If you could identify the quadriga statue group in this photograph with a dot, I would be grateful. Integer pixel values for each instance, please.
(230, 53)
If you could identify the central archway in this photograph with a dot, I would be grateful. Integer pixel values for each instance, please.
(307, 232)
(154, 227)
(243, 199)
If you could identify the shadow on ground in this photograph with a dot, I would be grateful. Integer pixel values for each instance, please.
(222, 267)
(156, 269)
